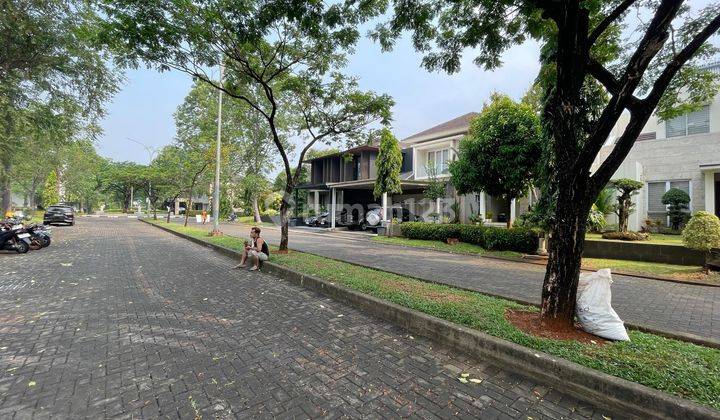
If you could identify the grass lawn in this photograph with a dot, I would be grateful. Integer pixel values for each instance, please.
(672, 366)
(679, 272)
(461, 247)
(655, 238)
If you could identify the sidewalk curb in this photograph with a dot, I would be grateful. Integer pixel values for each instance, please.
(629, 397)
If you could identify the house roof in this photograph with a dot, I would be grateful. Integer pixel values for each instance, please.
(455, 126)
(358, 149)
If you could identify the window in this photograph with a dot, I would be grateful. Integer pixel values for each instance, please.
(697, 122)
(439, 160)
(656, 190)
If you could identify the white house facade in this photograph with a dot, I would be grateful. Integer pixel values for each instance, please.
(683, 152)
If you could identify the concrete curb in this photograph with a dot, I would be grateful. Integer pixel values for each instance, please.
(623, 395)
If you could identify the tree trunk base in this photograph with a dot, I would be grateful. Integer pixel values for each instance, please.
(216, 233)
(282, 251)
(531, 323)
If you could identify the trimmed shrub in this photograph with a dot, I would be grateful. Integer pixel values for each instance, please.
(702, 232)
(473, 234)
(514, 239)
(627, 236)
(498, 239)
(430, 231)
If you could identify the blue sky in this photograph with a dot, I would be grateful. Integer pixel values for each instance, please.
(143, 109)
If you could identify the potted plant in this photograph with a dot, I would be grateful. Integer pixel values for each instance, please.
(488, 216)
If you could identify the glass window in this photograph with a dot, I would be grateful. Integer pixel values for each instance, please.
(656, 190)
(697, 122)
(675, 127)
(655, 193)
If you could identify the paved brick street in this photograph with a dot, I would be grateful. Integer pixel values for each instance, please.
(659, 305)
(119, 319)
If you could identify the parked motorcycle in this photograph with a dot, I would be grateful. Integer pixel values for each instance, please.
(14, 238)
(40, 235)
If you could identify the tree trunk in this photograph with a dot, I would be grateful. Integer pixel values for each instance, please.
(168, 217)
(256, 210)
(284, 207)
(565, 248)
(187, 209)
(6, 196)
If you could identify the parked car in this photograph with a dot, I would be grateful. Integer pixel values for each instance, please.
(59, 214)
(373, 217)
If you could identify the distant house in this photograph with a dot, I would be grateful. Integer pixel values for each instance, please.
(349, 177)
(683, 152)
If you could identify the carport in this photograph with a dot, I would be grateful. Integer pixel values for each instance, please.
(359, 194)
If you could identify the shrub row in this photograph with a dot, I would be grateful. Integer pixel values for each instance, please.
(626, 236)
(498, 239)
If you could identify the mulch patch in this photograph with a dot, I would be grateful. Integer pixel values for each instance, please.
(530, 323)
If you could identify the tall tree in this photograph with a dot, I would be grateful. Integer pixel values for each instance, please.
(657, 68)
(389, 165)
(281, 59)
(501, 152)
(49, 73)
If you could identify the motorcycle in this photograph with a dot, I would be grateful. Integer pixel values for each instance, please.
(14, 238)
(39, 234)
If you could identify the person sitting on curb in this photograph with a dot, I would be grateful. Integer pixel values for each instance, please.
(257, 250)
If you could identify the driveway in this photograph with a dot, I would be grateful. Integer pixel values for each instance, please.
(664, 306)
(119, 319)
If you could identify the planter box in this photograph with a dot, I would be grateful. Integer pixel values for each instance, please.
(638, 251)
(382, 231)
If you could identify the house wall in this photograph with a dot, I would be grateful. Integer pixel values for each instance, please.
(667, 159)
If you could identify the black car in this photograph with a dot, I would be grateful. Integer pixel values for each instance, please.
(59, 214)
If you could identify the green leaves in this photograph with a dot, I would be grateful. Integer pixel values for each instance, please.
(388, 164)
(501, 152)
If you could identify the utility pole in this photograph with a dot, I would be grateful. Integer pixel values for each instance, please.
(216, 191)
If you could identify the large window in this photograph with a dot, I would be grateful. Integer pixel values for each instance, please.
(656, 190)
(439, 159)
(697, 122)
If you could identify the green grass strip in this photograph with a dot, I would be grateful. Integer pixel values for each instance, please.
(672, 366)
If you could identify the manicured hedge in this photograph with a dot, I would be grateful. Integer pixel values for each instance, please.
(498, 239)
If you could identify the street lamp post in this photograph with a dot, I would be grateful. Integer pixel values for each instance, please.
(216, 191)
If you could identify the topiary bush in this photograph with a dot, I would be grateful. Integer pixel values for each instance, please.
(677, 201)
(702, 232)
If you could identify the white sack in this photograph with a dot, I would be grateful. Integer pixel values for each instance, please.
(594, 310)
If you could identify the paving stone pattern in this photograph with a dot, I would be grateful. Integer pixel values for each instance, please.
(664, 306)
(118, 319)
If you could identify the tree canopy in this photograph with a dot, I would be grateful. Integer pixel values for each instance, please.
(598, 61)
(501, 153)
(389, 165)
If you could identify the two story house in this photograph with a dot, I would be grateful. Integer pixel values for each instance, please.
(344, 182)
(683, 152)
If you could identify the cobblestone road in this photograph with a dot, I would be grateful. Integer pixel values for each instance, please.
(119, 319)
(664, 306)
